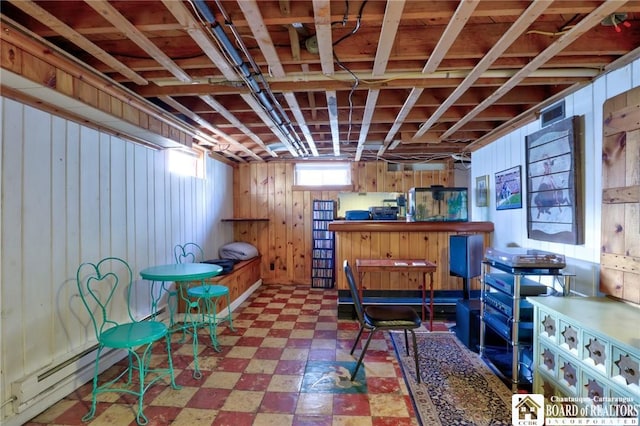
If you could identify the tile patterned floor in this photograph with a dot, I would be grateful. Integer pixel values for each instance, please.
(285, 364)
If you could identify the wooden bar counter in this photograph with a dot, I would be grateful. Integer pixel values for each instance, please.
(382, 239)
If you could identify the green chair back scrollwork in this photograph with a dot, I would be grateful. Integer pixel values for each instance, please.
(188, 253)
(201, 302)
(105, 289)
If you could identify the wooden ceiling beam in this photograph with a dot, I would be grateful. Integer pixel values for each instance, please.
(454, 28)
(369, 110)
(322, 21)
(332, 110)
(194, 28)
(294, 41)
(102, 32)
(388, 33)
(300, 119)
(78, 39)
(457, 22)
(310, 95)
(521, 95)
(259, 30)
(426, 11)
(111, 14)
(231, 118)
(207, 125)
(320, 86)
(532, 13)
(566, 39)
(385, 117)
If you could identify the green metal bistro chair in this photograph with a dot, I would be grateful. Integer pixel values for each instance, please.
(385, 317)
(203, 299)
(187, 253)
(191, 253)
(105, 288)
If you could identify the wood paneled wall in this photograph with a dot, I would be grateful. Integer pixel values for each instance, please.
(620, 248)
(72, 194)
(266, 190)
(27, 58)
(374, 244)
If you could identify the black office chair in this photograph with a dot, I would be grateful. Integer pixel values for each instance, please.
(385, 317)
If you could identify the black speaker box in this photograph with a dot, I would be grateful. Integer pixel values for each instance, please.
(465, 255)
(468, 322)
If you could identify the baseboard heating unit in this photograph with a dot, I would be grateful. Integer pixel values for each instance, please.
(36, 392)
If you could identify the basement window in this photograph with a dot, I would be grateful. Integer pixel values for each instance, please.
(186, 163)
(323, 174)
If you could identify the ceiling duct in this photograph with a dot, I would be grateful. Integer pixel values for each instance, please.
(250, 73)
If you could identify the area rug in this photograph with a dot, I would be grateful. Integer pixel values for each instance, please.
(457, 387)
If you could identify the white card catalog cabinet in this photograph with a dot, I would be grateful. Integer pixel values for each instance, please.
(587, 348)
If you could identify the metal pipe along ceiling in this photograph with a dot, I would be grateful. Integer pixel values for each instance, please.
(275, 111)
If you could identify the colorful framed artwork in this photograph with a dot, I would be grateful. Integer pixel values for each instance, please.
(554, 207)
(509, 189)
(482, 191)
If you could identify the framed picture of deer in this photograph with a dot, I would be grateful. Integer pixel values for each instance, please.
(554, 172)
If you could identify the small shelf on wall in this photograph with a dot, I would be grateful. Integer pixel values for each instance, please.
(245, 219)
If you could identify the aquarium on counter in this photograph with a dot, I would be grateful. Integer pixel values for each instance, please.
(437, 203)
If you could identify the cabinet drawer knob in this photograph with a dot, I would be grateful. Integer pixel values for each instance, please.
(594, 390)
(596, 351)
(549, 326)
(570, 337)
(628, 369)
(548, 359)
(569, 374)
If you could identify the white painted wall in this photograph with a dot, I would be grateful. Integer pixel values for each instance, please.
(72, 194)
(509, 151)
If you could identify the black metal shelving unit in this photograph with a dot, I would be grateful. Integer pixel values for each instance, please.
(323, 255)
(505, 310)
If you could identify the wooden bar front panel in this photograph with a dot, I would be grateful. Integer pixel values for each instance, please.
(430, 245)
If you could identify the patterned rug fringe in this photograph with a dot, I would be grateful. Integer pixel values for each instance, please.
(457, 387)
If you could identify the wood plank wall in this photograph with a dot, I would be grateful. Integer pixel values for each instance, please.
(620, 246)
(28, 58)
(432, 246)
(266, 190)
(73, 194)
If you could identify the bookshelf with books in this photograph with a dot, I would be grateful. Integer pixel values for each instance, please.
(323, 254)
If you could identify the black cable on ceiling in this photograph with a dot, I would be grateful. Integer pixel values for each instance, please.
(345, 16)
(337, 60)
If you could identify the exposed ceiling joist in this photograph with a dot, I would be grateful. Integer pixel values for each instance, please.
(411, 78)
(73, 36)
(591, 20)
(525, 20)
(112, 15)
